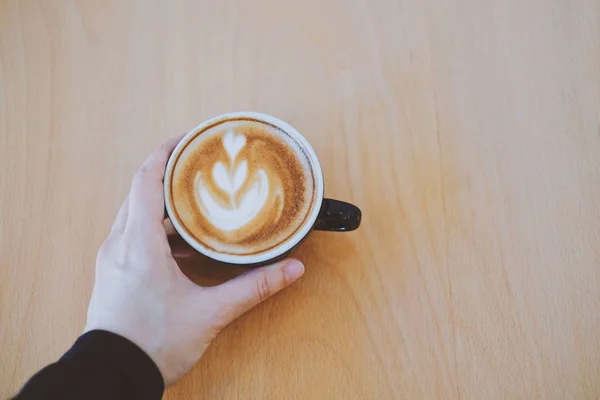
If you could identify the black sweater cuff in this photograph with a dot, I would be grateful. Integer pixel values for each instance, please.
(124, 357)
(100, 365)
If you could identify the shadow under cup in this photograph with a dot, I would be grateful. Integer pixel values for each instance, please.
(324, 214)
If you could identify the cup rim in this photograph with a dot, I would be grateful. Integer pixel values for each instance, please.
(270, 254)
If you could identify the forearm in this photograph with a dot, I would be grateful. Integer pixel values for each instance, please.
(100, 365)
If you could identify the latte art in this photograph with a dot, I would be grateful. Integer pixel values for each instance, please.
(243, 207)
(242, 187)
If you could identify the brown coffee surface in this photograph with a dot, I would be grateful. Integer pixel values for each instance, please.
(242, 187)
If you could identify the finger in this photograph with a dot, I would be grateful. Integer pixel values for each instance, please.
(169, 228)
(182, 250)
(179, 247)
(244, 292)
(121, 220)
(146, 200)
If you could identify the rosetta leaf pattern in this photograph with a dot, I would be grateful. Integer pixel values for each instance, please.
(239, 176)
(231, 177)
(222, 178)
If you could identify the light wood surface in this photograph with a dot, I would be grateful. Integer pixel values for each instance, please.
(467, 131)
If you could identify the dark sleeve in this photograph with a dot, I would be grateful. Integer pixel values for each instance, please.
(100, 365)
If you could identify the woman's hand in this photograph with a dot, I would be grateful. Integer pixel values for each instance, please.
(141, 294)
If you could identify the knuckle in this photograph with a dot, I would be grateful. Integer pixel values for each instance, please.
(102, 255)
(163, 150)
(142, 172)
(263, 289)
(113, 252)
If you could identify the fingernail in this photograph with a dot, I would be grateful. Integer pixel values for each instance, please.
(293, 270)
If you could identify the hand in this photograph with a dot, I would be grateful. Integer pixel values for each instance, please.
(141, 294)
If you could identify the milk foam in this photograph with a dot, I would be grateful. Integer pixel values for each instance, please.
(230, 179)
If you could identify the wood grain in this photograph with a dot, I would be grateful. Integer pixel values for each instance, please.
(468, 132)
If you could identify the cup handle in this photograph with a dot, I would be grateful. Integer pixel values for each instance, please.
(338, 216)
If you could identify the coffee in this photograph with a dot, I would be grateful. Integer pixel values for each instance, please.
(242, 186)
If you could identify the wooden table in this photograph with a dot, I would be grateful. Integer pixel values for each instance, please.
(468, 132)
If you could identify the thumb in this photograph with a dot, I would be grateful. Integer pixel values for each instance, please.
(247, 290)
